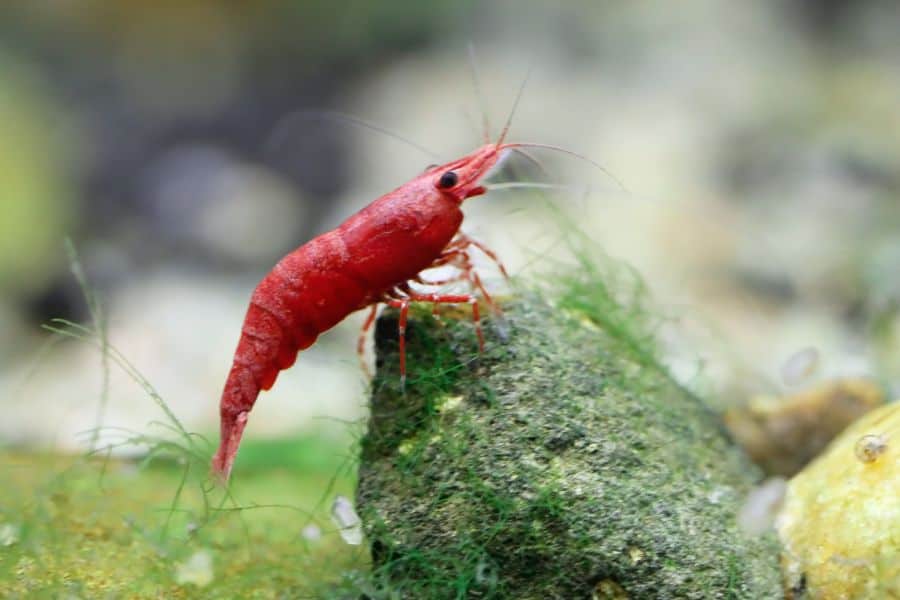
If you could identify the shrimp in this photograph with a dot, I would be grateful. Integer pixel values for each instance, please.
(371, 258)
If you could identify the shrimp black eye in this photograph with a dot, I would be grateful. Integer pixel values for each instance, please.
(448, 180)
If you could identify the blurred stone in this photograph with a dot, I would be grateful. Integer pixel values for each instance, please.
(840, 524)
(196, 570)
(783, 433)
(9, 534)
(758, 512)
(242, 213)
(257, 216)
(800, 367)
(311, 533)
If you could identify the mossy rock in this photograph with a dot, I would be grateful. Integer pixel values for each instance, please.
(554, 465)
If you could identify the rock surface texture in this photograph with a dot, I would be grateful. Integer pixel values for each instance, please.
(562, 463)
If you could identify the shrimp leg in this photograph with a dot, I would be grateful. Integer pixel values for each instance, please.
(461, 260)
(361, 341)
(463, 241)
(403, 304)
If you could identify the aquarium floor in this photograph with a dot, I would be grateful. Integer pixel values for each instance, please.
(77, 527)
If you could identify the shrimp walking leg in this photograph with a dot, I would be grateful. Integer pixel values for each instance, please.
(403, 304)
(463, 241)
(361, 341)
(461, 260)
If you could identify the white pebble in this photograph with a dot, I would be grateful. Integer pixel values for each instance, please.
(800, 367)
(196, 570)
(759, 509)
(347, 521)
(312, 533)
(9, 534)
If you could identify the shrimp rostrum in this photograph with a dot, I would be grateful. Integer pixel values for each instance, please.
(371, 258)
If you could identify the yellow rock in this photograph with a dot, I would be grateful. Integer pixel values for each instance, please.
(840, 523)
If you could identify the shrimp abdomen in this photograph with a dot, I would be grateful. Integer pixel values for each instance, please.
(307, 293)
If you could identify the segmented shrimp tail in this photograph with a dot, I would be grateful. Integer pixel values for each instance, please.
(255, 367)
(239, 396)
(232, 430)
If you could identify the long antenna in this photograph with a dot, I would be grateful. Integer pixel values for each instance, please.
(282, 129)
(515, 105)
(479, 94)
(533, 185)
(530, 158)
(575, 154)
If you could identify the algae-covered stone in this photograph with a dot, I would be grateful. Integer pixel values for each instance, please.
(841, 518)
(562, 463)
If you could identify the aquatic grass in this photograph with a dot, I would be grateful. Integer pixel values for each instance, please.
(101, 327)
(96, 524)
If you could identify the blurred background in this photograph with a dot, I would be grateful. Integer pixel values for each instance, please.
(758, 145)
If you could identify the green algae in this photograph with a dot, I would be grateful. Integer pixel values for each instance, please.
(562, 463)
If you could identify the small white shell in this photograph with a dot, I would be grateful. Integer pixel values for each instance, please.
(869, 447)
